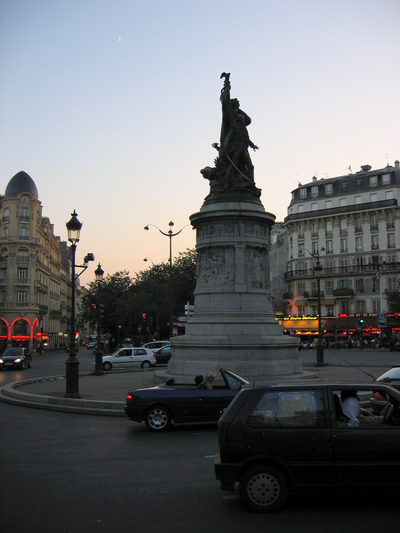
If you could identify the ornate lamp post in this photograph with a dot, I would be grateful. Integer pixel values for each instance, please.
(99, 352)
(318, 273)
(169, 234)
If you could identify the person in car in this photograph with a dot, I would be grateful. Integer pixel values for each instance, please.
(356, 414)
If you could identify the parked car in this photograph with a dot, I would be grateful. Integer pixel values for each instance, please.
(156, 345)
(182, 402)
(126, 358)
(276, 439)
(16, 358)
(162, 355)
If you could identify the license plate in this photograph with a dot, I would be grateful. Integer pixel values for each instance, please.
(8, 364)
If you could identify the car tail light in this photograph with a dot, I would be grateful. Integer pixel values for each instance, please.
(129, 396)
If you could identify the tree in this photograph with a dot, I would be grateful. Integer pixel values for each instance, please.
(393, 298)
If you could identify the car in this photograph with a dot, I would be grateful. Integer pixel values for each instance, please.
(162, 355)
(16, 358)
(182, 402)
(156, 345)
(126, 358)
(281, 438)
(91, 345)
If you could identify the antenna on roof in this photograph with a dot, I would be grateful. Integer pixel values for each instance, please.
(387, 160)
(349, 169)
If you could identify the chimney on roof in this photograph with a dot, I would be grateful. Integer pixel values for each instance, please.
(397, 164)
(365, 168)
(314, 178)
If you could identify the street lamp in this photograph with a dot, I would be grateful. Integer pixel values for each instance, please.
(72, 363)
(169, 234)
(318, 273)
(98, 370)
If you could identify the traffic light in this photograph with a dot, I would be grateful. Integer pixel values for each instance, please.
(360, 320)
(101, 311)
(94, 311)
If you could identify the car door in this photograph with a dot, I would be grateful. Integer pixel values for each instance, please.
(367, 454)
(211, 403)
(123, 358)
(140, 355)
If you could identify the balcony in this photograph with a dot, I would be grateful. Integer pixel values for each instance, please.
(313, 294)
(22, 281)
(343, 292)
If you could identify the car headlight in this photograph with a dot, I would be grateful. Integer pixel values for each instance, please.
(17, 360)
(1, 361)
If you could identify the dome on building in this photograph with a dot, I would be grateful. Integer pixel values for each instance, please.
(20, 183)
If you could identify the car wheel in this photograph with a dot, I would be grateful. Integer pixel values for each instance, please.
(107, 366)
(158, 418)
(263, 489)
(146, 365)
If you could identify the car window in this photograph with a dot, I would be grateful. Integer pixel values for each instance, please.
(356, 409)
(233, 382)
(289, 409)
(140, 351)
(391, 375)
(124, 353)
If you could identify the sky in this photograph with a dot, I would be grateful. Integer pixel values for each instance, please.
(111, 106)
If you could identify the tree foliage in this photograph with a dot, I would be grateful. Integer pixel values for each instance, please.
(126, 300)
(393, 299)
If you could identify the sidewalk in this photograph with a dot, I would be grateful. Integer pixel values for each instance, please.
(105, 395)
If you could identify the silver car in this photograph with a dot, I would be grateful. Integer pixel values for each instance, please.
(129, 358)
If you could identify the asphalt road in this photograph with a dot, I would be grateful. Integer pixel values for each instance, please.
(68, 473)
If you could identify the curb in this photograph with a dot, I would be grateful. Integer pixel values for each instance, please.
(10, 394)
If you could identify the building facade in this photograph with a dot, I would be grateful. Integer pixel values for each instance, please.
(35, 286)
(351, 224)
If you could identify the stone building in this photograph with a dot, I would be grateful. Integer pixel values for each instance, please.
(352, 224)
(35, 286)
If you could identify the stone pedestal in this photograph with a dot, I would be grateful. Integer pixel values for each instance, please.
(233, 325)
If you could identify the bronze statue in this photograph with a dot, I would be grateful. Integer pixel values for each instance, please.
(233, 170)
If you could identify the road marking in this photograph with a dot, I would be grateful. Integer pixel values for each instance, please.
(209, 456)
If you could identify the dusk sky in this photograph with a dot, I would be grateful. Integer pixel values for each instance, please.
(111, 106)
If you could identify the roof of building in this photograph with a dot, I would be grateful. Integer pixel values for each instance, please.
(19, 184)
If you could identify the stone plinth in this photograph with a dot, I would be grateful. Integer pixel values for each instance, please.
(233, 324)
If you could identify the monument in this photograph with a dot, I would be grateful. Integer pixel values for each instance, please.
(233, 324)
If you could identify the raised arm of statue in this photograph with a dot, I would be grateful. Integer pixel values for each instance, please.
(225, 99)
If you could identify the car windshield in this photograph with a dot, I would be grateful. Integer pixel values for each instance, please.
(391, 375)
(233, 380)
(13, 351)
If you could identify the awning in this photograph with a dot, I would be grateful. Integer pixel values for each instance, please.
(328, 301)
(305, 324)
(300, 302)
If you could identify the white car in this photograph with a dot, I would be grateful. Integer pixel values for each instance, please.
(128, 358)
(156, 345)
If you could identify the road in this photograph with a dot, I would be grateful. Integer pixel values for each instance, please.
(69, 473)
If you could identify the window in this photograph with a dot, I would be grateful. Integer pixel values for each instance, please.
(342, 202)
(343, 245)
(385, 179)
(6, 214)
(300, 208)
(376, 306)
(329, 310)
(329, 287)
(373, 181)
(359, 285)
(391, 284)
(300, 231)
(24, 214)
(390, 220)
(4, 254)
(389, 195)
(303, 193)
(23, 232)
(329, 247)
(328, 266)
(21, 297)
(358, 224)
(360, 306)
(314, 248)
(374, 242)
(288, 409)
(391, 242)
(314, 206)
(5, 231)
(357, 200)
(314, 190)
(3, 297)
(344, 307)
(359, 244)
(373, 197)
(373, 221)
(23, 255)
(328, 188)
(328, 204)
(22, 273)
(343, 284)
(301, 310)
(328, 226)
(300, 289)
(343, 226)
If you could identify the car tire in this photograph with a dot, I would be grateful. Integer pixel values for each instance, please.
(107, 365)
(263, 489)
(158, 418)
(146, 365)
